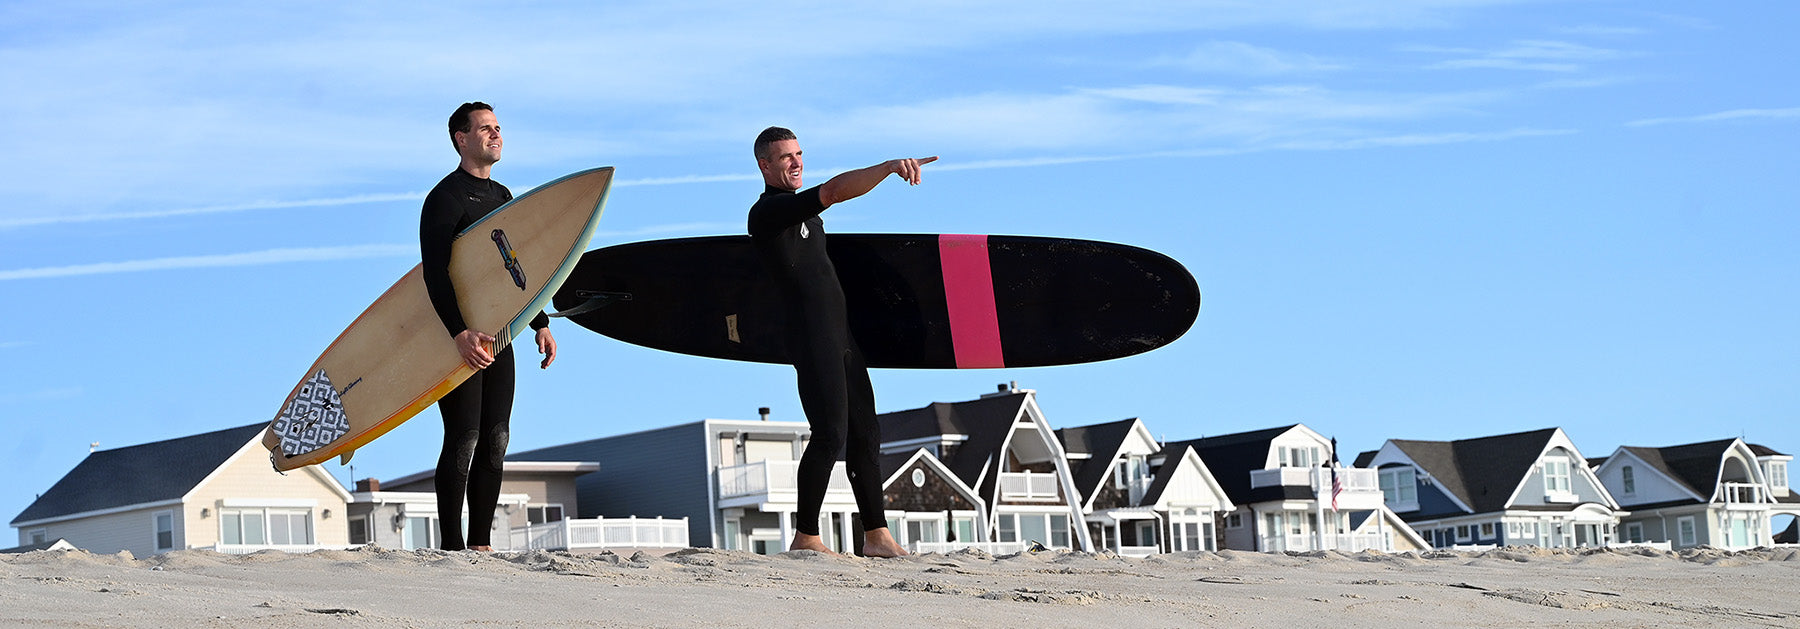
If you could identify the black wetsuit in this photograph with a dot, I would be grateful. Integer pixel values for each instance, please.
(835, 391)
(478, 412)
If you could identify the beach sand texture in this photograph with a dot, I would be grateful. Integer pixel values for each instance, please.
(373, 587)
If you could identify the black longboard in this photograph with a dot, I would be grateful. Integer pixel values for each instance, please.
(922, 301)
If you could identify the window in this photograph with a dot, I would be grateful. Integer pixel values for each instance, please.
(39, 536)
(1686, 535)
(1487, 530)
(359, 530)
(1059, 531)
(1777, 473)
(1628, 479)
(543, 514)
(1399, 488)
(1634, 532)
(1462, 533)
(418, 532)
(1556, 476)
(165, 531)
(964, 528)
(928, 531)
(1009, 528)
(1234, 521)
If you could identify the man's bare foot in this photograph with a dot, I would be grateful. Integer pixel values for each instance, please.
(482, 549)
(880, 543)
(803, 541)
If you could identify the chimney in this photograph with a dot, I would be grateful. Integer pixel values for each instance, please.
(368, 484)
(764, 412)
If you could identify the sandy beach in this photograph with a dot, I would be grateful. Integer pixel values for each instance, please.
(374, 587)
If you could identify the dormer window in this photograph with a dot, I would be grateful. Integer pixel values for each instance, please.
(1776, 472)
(1558, 485)
(1628, 478)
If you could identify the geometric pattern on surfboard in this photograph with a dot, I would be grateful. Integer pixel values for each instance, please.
(314, 418)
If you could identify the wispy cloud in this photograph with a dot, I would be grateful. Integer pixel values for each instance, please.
(1230, 57)
(46, 395)
(1735, 114)
(1530, 55)
(271, 256)
(6, 223)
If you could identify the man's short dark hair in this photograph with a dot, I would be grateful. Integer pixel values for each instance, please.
(769, 136)
(459, 121)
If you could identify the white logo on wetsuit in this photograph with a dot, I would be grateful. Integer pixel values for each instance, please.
(803, 231)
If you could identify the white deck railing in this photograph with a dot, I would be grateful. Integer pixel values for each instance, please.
(1037, 486)
(1744, 493)
(578, 534)
(1355, 479)
(770, 477)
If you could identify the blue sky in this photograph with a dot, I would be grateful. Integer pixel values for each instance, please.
(1409, 219)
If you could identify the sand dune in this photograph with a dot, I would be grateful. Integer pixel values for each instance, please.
(373, 587)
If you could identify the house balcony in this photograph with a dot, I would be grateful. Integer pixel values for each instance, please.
(1029, 487)
(1744, 495)
(763, 482)
(1362, 487)
(598, 533)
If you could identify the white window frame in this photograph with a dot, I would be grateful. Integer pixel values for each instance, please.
(1778, 475)
(543, 514)
(38, 536)
(1399, 487)
(1634, 532)
(1487, 530)
(1628, 478)
(1234, 520)
(1559, 479)
(1687, 531)
(156, 530)
(1465, 533)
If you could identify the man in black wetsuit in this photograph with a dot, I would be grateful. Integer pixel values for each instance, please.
(476, 413)
(835, 391)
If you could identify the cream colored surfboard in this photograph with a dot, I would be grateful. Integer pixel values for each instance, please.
(396, 359)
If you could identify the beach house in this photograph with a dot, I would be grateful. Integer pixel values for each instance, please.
(214, 490)
(1290, 494)
(1139, 498)
(535, 510)
(1722, 493)
(1001, 446)
(1528, 488)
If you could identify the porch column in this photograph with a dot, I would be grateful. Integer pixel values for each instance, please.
(845, 530)
(786, 519)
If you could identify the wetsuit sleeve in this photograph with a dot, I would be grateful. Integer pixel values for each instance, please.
(540, 321)
(776, 212)
(437, 230)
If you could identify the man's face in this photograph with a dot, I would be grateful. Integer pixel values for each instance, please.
(482, 140)
(781, 165)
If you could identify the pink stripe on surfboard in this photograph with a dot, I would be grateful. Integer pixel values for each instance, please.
(969, 291)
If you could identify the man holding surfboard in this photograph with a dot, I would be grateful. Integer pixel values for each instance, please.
(478, 412)
(835, 391)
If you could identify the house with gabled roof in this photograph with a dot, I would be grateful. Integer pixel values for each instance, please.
(1001, 446)
(930, 509)
(535, 509)
(1718, 493)
(1138, 498)
(730, 480)
(1528, 488)
(213, 490)
(1289, 492)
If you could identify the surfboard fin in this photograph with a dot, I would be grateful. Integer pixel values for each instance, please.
(595, 300)
(344, 459)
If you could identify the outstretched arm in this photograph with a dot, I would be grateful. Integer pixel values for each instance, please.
(855, 183)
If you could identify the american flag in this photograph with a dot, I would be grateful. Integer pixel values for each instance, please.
(1337, 483)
